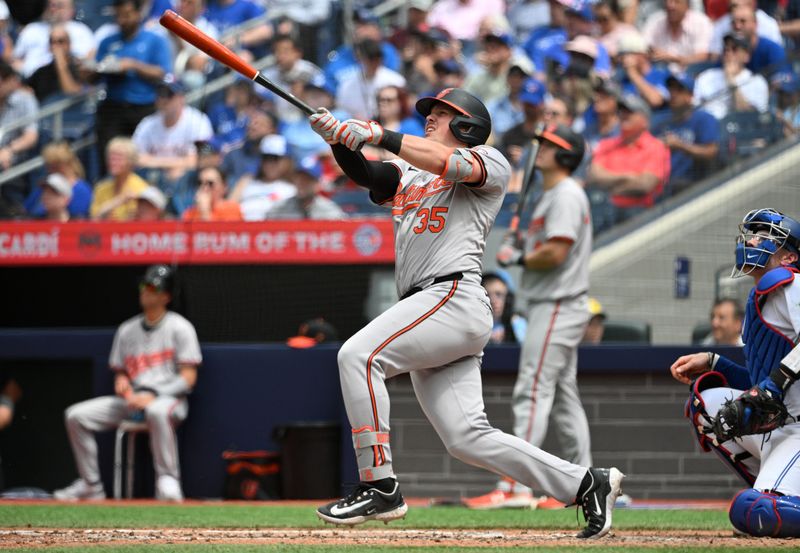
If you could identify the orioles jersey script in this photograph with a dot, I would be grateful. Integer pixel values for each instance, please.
(441, 226)
(151, 356)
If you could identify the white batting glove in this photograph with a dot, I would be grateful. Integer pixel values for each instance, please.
(355, 133)
(509, 255)
(325, 124)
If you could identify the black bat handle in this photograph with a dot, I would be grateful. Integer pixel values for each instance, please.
(288, 96)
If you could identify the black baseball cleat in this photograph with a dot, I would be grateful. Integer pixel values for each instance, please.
(365, 503)
(596, 497)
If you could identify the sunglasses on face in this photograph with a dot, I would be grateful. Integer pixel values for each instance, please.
(206, 182)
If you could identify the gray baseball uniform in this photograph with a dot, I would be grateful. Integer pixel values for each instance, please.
(150, 358)
(558, 313)
(437, 333)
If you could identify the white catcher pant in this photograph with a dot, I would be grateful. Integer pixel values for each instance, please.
(106, 412)
(775, 461)
(438, 336)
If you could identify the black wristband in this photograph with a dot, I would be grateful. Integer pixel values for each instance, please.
(391, 141)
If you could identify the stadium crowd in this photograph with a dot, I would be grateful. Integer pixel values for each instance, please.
(652, 85)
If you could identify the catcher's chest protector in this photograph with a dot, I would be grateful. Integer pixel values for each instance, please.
(764, 346)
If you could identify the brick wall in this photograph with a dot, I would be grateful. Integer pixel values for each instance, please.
(636, 422)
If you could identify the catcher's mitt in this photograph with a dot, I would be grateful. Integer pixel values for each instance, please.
(756, 411)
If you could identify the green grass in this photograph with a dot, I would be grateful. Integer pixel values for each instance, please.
(220, 515)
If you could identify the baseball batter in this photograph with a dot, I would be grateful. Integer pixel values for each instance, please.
(767, 459)
(444, 192)
(555, 282)
(155, 357)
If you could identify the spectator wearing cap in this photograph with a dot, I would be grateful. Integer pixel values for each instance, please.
(508, 110)
(61, 75)
(490, 81)
(289, 68)
(788, 103)
(732, 87)
(766, 57)
(59, 158)
(678, 35)
(115, 197)
(150, 205)
(31, 46)
(270, 185)
(301, 139)
(768, 26)
(130, 62)
(632, 167)
(462, 18)
(229, 117)
(692, 135)
(16, 145)
(601, 119)
(639, 76)
(343, 61)
(307, 202)
(596, 327)
(245, 159)
(166, 139)
(507, 326)
(357, 92)
(578, 21)
(545, 38)
(209, 200)
(513, 142)
(611, 27)
(226, 14)
(56, 195)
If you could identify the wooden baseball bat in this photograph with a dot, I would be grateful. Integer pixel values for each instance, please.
(527, 180)
(191, 34)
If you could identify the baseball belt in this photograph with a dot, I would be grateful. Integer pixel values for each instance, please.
(437, 280)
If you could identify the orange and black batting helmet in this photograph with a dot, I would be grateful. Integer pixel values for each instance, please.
(472, 125)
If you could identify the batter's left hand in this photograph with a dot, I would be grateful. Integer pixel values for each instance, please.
(356, 133)
(140, 400)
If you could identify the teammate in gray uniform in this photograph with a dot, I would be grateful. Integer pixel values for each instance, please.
(555, 281)
(155, 357)
(444, 192)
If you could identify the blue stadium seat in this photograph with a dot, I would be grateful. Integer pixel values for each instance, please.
(747, 132)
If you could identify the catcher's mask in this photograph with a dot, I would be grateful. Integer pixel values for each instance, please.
(763, 232)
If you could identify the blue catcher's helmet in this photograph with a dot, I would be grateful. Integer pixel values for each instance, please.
(763, 232)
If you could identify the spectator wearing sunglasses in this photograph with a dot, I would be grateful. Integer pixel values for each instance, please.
(209, 201)
(61, 75)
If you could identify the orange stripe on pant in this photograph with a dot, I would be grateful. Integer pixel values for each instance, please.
(379, 456)
(539, 371)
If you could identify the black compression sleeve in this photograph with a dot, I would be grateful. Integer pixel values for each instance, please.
(380, 178)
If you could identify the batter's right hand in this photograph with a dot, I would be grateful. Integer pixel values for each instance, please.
(122, 385)
(689, 367)
(325, 124)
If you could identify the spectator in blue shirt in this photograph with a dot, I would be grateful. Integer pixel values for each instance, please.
(691, 134)
(229, 117)
(246, 159)
(507, 111)
(543, 39)
(59, 158)
(131, 62)
(637, 75)
(766, 57)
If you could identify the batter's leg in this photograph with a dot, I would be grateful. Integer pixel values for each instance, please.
(163, 415)
(452, 399)
(83, 420)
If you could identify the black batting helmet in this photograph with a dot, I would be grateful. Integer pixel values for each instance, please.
(571, 146)
(472, 125)
(161, 277)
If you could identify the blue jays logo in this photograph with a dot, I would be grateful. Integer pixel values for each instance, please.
(367, 240)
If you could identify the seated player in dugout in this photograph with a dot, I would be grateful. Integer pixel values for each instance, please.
(445, 191)
(743, 413)
(154, 358)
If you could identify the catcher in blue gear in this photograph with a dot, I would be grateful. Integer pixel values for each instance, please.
(746, 414)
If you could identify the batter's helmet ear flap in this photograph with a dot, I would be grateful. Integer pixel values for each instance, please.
(472, 125)
(571, 146)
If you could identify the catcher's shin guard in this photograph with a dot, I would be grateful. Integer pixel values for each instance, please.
(766, 514)
(701, 421)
